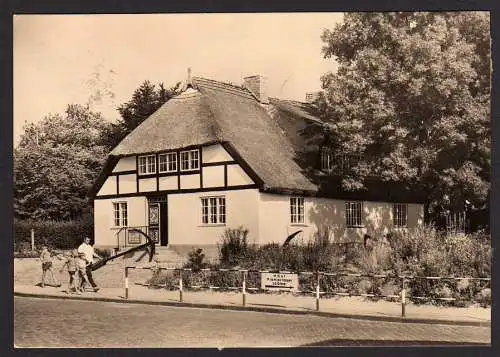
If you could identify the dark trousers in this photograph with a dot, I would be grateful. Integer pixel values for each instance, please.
(89, 275)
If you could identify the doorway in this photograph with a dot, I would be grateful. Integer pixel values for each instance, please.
(158, 221)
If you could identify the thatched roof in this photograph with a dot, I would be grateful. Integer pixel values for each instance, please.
(217, 112)
(278, 141)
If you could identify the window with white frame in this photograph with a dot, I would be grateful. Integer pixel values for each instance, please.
(167, 162)
(400, 214)
(147, 164)
(297, 210)
(190, 160)
(326, 160)
(213, 210)
(120, 214)
(353, 214)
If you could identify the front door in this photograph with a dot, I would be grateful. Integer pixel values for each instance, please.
(158, 222)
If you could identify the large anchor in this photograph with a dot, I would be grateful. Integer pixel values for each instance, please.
(149, 246)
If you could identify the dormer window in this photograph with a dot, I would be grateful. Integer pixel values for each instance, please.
(146, 164)
(330, 161)
(190, 160)
(326, 160)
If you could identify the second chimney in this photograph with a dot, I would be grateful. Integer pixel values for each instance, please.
(258, 86)
(311, 97)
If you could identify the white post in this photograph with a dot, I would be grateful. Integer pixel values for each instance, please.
(32, 239)
(317, 292)
(244, 288)
(126, 282)
(403, 298)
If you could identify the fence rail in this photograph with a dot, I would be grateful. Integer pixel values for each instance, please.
(316, 291)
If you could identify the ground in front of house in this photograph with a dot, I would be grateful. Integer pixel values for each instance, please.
(109, 324)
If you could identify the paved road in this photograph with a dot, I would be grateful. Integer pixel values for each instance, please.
(69, 323)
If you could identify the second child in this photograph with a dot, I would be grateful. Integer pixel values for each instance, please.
(82, 272)
(71, 265)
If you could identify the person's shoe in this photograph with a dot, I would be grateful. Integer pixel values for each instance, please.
(96, 289)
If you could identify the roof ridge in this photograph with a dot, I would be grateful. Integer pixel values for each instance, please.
(232, 88)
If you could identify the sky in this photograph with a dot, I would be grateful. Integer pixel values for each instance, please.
(66, 59)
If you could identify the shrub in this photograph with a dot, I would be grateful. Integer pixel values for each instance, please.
(234, 247)
(196, 260)
(164, 279)
(375, 260)
(484, 297)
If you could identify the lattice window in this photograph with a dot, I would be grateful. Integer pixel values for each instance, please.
(190, 160)
(147, 164)
(120, 214)
(168, 162)
(400, 214)
(213, 210)
(296, 210)
(353, 214)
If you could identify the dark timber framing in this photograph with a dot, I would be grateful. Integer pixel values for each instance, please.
(137, 175)
(219, 163)
(187, 190)
(225, 175)
(157, 171)
(200, 156)
(237, 160)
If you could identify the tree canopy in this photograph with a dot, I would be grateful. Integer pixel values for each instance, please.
(56, 162)
(59, 158)
(145, 101)
(411, 97)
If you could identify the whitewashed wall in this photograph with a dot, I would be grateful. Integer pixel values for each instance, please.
(322, 214)
(104, 232)
(185, 216)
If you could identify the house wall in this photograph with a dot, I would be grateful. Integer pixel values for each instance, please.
(104, 230)
(109, 187)
(322, 214)
(215, 153)
(125, 164)
(185, 225)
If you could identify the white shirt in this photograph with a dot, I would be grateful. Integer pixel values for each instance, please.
(88, 250)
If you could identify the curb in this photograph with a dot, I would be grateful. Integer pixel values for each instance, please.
(262, 309)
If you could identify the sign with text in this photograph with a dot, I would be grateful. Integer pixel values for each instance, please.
(133, 237)
(279, 281)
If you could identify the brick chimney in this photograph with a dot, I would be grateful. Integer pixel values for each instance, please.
(258, 86)
(312, 96)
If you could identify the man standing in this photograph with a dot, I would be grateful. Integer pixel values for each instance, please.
(89, 254)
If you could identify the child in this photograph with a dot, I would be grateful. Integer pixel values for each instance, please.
(82, 272)
(46, 260)
(71, 264)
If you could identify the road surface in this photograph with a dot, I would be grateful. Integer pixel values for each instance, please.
(68, 323)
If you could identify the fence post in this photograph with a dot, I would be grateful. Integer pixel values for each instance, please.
(317, 291)
(32, 239)
(126, 282)
(403, 297)
(244, 287)
(180, 285)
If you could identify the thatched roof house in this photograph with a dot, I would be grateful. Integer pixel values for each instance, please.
(241, 158)
(278, 139)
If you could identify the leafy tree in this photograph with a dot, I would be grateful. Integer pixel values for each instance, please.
(145, 101)
(56, 162)
(411, 96)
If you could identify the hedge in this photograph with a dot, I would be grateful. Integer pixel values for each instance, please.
(54, 234)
